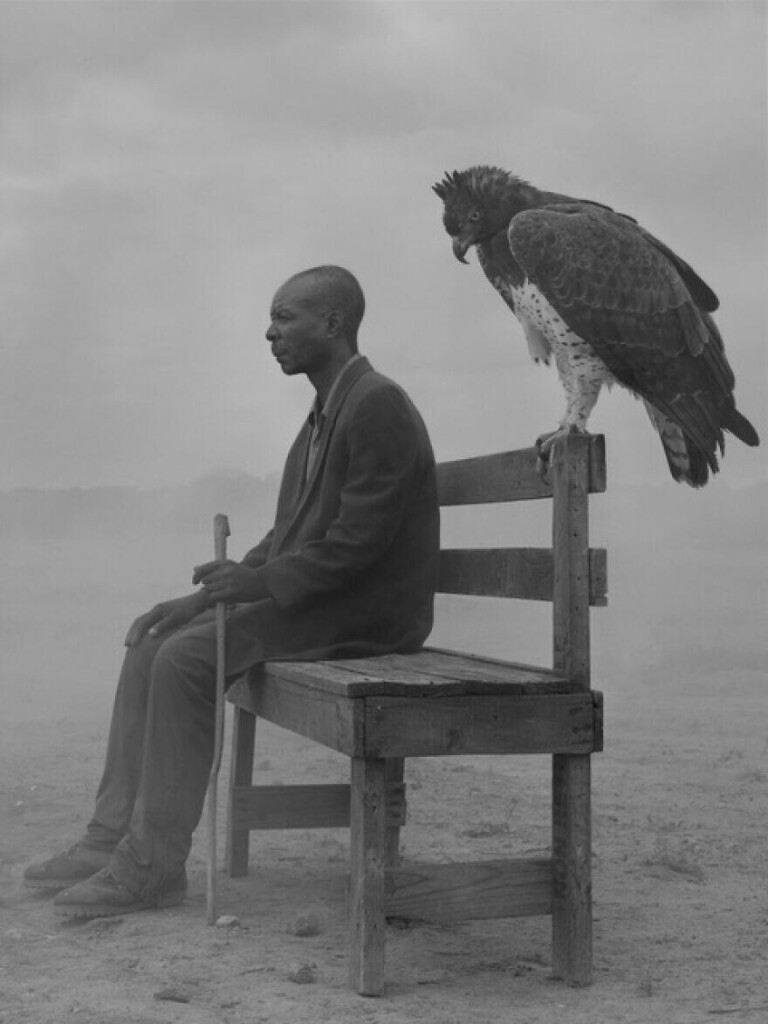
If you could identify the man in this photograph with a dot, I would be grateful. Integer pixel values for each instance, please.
(348, 569)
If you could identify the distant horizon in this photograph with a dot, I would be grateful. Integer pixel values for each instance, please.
(716, 482)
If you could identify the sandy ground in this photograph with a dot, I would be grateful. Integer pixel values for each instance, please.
(680, 866)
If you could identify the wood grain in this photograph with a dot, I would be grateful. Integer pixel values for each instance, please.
(510, 476)
(240, 774)
(474, 891)
(535, 724)
(523, 573)
(368, 863)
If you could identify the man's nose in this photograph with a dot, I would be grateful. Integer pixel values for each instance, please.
(271, 334)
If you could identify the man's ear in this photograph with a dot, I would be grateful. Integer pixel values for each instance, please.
(334, 322)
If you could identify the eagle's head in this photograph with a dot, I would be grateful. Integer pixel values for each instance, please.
(480, 202)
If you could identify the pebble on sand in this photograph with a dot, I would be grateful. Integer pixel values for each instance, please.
(301, 974)
(304, 925)
(171, 994)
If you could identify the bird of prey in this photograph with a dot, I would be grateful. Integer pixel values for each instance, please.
(609, 302)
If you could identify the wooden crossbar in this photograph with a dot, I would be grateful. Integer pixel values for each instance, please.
(304, 806)
(510, 476)
(535, 724)
(526, 573)
(480, 890)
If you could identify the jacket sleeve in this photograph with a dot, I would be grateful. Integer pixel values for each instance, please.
(257, 556)
(388, 457)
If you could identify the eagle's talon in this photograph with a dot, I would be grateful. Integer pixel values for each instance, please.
(543, 445)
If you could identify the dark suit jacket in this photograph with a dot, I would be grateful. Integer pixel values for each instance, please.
(351, 562)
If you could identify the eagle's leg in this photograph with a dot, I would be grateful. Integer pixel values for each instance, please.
(581, 392)
(545, 442)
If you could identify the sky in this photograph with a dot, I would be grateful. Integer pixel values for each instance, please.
(164, 167)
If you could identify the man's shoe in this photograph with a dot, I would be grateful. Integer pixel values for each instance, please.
(102, 895)
(66, 869)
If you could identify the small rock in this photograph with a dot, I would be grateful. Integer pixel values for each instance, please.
(228, 921)
(304, 925)
(171, 994)
(302, 974)
(400, 924)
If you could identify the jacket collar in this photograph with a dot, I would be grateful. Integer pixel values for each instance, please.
(350, 373)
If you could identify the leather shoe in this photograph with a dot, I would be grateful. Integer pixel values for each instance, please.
(65, 869)
(102, 895)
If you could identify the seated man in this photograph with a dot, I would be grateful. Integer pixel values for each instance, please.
(349, 569)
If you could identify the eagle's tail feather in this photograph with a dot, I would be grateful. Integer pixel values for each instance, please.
(687, 462)
(741, 427)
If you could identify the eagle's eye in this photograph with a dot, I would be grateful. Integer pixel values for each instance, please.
(475, 215)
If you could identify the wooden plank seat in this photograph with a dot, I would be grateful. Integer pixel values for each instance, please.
(380, 711)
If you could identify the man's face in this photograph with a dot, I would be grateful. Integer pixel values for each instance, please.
(298, 329)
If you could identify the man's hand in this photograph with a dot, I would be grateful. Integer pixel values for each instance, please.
(230, 581)
(166, 616)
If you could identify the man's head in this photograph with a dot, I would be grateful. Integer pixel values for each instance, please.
(314, 318)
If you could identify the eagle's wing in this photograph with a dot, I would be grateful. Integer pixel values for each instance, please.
(641, 308)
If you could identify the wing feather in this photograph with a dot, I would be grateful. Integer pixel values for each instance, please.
(643, 310)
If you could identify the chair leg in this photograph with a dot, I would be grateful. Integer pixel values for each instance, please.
(572, 869)
(395, 774)
(240, 774)
(367, 884)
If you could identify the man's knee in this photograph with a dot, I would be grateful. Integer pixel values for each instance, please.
(184, 658)
(138, 658)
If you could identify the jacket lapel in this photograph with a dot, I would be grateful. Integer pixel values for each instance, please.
(330, 414)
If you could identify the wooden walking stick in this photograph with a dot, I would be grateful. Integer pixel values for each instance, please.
(220, 534)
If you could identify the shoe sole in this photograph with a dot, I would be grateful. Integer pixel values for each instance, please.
(163, 902)
(54, 884)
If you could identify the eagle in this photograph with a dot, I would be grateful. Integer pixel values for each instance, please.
(609, 302)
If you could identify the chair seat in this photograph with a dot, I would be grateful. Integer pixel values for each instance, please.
(432, 703)
(431, 672)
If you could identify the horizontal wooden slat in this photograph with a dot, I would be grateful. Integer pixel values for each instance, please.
(312, 806)
(265, 807)
(466, 892)
(526, 573)
(434, 673)
(450, 673)
(508, 476)
(552, 724)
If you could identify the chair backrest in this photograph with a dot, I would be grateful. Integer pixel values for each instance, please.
(570, 574)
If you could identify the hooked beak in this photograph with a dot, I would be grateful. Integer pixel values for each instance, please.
(460, 247)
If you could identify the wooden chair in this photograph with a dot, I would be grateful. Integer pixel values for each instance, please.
(380, 711)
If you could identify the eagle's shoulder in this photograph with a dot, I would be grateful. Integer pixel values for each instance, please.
(585, 255)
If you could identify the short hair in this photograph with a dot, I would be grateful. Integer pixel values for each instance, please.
(340, 291)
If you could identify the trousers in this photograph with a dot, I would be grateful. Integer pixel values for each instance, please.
(160, 749)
